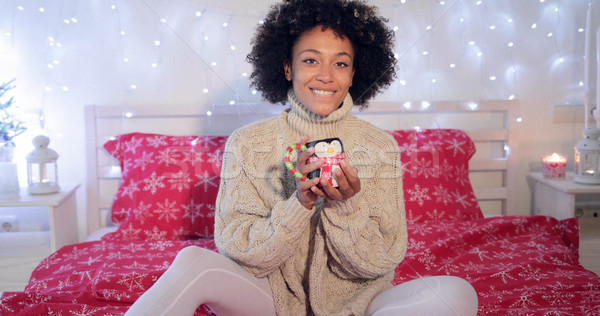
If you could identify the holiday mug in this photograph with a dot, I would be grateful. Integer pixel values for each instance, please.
(330, 151)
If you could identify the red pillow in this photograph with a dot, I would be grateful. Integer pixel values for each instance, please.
(435, 165)
(168, 187)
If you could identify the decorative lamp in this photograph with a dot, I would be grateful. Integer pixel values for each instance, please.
(41, 167)
(587, 157)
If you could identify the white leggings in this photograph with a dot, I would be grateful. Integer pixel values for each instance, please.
(199, 276)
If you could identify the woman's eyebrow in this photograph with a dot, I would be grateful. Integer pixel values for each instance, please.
(344, 54)
(316, 51)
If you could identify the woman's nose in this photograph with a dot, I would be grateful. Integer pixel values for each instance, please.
(324, 74)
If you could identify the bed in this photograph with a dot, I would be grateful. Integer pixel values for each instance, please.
(153, 175)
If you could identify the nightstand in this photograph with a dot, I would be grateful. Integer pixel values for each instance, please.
(561, 197)
(564, 198)
(22, 251)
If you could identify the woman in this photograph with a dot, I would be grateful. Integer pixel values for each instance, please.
(292, 247)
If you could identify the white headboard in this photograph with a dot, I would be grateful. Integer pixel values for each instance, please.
(489, 123)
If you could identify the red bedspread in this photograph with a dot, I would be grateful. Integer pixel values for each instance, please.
(518, 266)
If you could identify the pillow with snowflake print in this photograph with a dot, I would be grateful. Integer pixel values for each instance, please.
(435, 165)
(168, 187)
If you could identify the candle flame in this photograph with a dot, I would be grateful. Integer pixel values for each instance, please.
(555, 157)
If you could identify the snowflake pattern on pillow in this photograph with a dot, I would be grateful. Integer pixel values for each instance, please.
(169, 185)
(435, 165)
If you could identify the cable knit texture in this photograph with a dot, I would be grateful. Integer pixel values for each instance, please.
(334, 258)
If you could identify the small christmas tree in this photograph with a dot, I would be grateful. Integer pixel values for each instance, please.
(10, 126)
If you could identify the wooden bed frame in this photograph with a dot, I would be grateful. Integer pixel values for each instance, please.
(491, 125)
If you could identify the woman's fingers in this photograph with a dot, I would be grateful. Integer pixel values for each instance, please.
(302, 164)
(347, 181)
(330, 192)
(351, 176)
(344, 185)
(307, 167)
(304, 188)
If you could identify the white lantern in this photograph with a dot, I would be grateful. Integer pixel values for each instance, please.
(41, 167)
(587, 157)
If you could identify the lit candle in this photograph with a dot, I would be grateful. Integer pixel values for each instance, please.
(555, 166)
(43, 174)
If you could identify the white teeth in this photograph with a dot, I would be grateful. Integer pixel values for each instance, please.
(322, 92)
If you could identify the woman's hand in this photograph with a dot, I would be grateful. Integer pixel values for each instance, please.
(304, 189)
(348, 183)
(307, 191)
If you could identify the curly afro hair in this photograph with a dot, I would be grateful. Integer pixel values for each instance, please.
(374, 61)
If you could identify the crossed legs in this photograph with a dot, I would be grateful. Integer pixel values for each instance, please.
(199, 276)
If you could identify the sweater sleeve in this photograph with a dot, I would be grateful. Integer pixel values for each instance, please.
(366, 235)
(249, 231)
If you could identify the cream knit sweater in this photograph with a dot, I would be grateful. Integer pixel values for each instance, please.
(334, 258)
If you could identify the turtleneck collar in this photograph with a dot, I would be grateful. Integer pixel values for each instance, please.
(301, 121)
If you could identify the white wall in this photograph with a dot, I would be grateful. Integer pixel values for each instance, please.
(69, 53)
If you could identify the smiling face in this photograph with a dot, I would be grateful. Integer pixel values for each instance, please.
(321, 69)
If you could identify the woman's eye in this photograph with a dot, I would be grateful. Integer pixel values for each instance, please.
(310, 61)
(341, 64)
